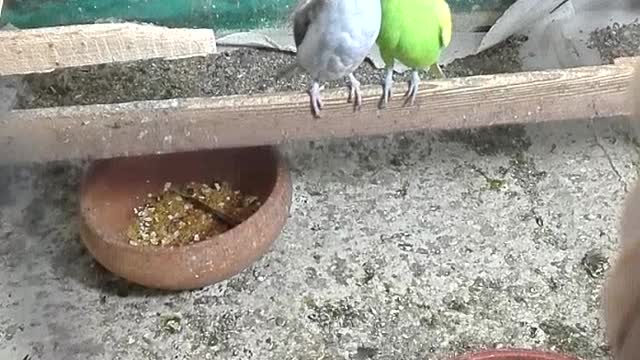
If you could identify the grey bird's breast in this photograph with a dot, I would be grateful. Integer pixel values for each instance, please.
(339, 39)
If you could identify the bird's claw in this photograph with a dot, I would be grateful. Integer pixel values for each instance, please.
(316, 99)
(355, 95)
(387, 86)
(412, 91)
(386, 95)
(410, 95)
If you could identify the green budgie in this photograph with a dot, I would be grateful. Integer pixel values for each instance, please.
(414, 32)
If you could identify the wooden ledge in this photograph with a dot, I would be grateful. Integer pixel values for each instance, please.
(46, 49)
(146, 127)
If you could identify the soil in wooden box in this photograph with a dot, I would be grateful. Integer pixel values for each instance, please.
(245, 71)
(616, 41)
(251, 71)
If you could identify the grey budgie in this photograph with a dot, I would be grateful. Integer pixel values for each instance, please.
(332, 39)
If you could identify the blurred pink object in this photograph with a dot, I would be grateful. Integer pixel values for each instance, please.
(514, 354)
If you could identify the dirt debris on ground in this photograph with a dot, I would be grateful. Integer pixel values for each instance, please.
(617, 40)
(245, 71)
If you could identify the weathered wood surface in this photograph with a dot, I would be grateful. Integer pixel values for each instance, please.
(47, 49)
(146, 127)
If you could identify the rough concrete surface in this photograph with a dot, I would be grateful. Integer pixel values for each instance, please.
(414, 246)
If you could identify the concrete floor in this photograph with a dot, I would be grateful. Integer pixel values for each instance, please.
(402, 247)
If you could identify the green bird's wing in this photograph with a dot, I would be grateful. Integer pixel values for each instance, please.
(443, 14)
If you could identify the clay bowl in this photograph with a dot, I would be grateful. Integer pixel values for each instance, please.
(112, 188)
(514, 354)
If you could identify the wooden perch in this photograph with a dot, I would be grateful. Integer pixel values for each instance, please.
(47, 49)
(146, 127)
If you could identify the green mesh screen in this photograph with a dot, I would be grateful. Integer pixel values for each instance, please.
(216, 14)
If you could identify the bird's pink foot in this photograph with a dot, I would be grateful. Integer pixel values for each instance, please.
(411, 93)
(355, 94)
(315, 98)
(387, 85)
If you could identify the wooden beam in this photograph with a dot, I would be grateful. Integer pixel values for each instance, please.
(146, 127)
(46, 49)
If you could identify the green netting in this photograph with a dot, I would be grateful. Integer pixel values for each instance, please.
(216, 14)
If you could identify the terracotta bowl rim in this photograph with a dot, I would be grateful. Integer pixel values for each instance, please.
(516, 351)
(282, 180)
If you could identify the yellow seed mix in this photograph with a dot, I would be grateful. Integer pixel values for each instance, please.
(184, 215)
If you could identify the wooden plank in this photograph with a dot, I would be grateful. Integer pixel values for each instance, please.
(47, 49)
(146, 127)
